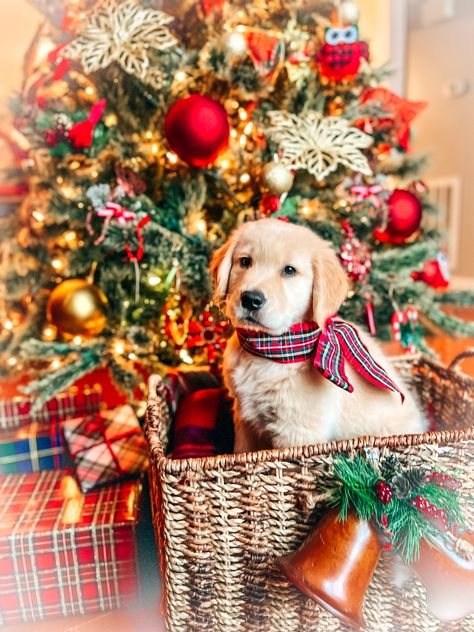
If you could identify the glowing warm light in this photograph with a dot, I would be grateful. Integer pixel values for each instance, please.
(243, 116)
(233, 133)
(201, 225)
(173, 158)
(154, 148)
(148, 135)
(248, 128)
(38, 216)
(154, 280)
(244, 178)
(126, 303)
(180, 75)
(57, 264)
(12, 361)
(132, 356)
(59, 179)
(70, 235)
(55, 364)
(305, 210)
(243, 140)
(49, 333)
(119, 347)
(77, 340)
(240, 28)
(8, 325)
(90, 90)
(225, 164)
(185, 357)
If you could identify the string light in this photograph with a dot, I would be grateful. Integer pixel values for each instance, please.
(243, 116)
(154, 280)
(132, 356)
(180, 75)
(70, 235)
(185, 357)
(12, 361)
(38, 216)
(55, 364)
(154, 148)
(119, 347)
(225, 164)
(305, 210)
(8, 325)
(243, 140)
(172, 157)
(244, 178)
(248, 128)
(233, 133)
(77, 340)
(90, 90)
(57, 264)
(149, 135)
(49, 333)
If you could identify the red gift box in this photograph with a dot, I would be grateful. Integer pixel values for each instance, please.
(64, 553)
(16, 412)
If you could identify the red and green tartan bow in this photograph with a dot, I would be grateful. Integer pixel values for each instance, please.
(337, 342)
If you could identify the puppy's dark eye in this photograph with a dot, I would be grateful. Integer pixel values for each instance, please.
(245, 262)
(289, 271)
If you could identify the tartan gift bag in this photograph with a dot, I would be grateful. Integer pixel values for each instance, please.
(32, 448)
(16, 412)
(106, 447)
(64, 553)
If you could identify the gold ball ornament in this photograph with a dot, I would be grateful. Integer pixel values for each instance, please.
(235, 44)
(349, 12)
(77, 307)
(277, 178)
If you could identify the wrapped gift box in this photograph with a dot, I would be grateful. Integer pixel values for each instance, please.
(64, 553)
(32, 448)
(16, 412)
(106, 446)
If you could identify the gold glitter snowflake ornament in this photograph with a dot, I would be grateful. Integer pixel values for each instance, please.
(319, 143)
(123, 32)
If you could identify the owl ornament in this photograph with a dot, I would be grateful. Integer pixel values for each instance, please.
(339, 56)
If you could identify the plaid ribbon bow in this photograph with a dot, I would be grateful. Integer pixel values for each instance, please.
(337, 342)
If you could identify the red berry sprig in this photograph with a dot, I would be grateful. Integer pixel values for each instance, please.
(437, 517)
(384, 492)
(443, 480)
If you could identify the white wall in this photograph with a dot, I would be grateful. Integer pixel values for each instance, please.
(445, 130)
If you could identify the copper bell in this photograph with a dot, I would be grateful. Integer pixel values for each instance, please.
(448, 579)
(334, 565)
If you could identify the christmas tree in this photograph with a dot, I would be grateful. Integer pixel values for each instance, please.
(152, 132)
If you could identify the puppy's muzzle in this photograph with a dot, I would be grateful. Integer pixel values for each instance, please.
(252, 301)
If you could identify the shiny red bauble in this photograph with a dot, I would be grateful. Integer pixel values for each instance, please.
(404, 217)
(197, 129)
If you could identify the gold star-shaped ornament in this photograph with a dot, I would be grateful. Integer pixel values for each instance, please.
(319, 144)
(123, 32)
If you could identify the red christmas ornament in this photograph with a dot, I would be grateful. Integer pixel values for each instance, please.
(340, 56)
(197, 129)
(270, 204)
(81, 134)
(435, 273)
(404, 217)
(355, 255)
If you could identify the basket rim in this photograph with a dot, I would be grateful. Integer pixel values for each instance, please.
(227, 461)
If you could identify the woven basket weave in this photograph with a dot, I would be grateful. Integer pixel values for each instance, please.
(222, 521)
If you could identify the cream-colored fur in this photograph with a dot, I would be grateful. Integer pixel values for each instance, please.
(283, 405)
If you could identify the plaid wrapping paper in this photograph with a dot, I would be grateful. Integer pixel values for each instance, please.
(31, 449)
(16, 412)
(106, 446)
(63, 553)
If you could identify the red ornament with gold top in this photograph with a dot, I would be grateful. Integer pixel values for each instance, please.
(197, 129)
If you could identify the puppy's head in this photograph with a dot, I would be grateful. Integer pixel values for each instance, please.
(270, 275)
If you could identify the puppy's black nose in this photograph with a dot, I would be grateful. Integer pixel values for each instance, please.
(252, 300)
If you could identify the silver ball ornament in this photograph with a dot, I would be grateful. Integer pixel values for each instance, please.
(235, 44)
(277, 178)
(349, 12)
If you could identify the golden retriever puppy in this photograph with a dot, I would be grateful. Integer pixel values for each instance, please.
(270, 276)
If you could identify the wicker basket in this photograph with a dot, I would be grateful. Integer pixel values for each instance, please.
(222, 521)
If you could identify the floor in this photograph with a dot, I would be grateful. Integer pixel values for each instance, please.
(146, 617)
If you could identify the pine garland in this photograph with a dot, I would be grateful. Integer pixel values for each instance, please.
(389, 496)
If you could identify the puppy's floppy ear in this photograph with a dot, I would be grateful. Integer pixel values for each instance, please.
(221, 264)
(330, 284)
